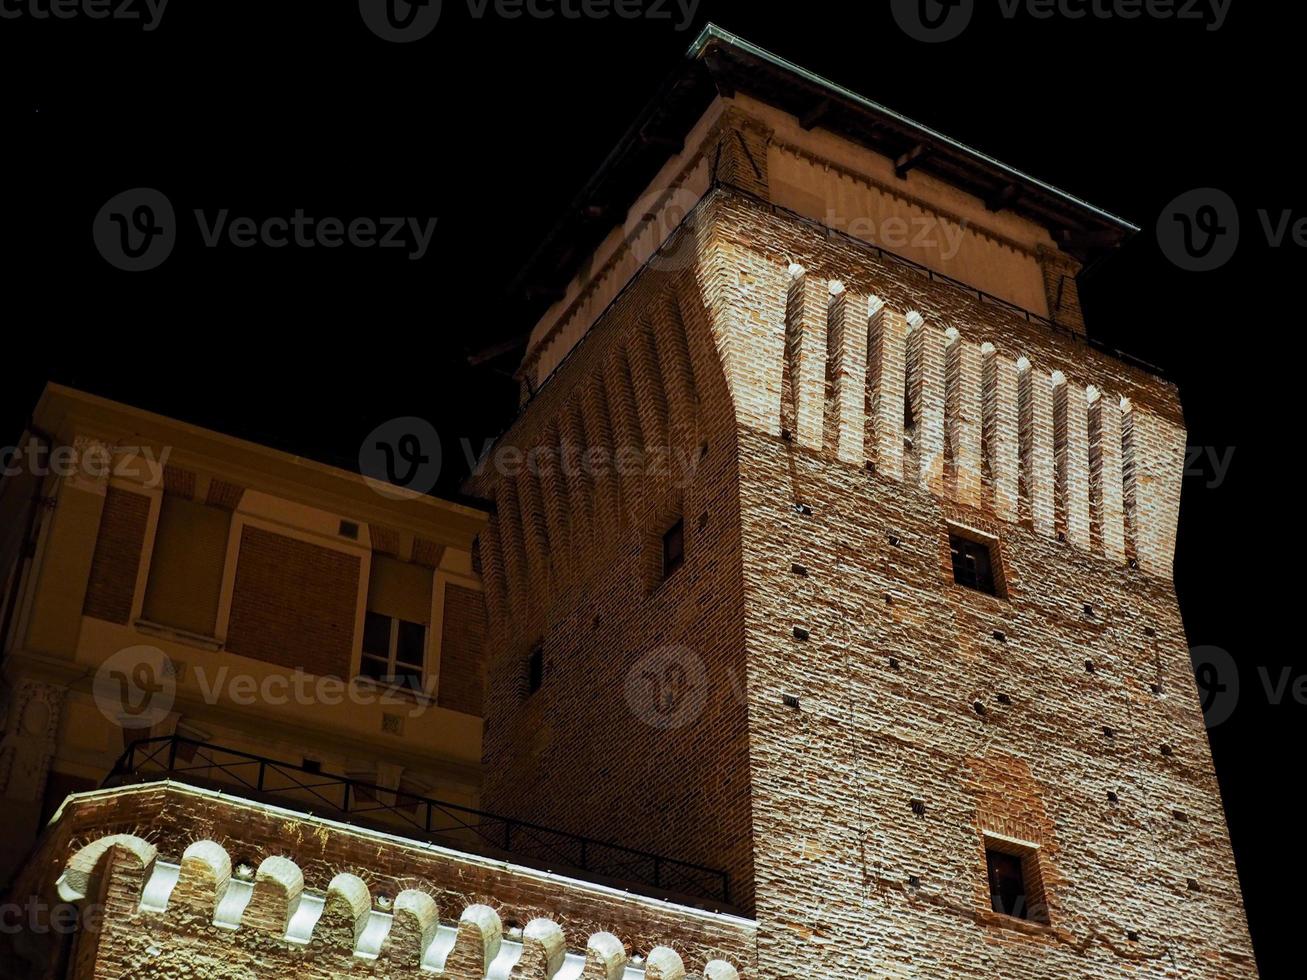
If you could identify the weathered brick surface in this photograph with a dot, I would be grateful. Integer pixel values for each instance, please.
(985, 710)
(293, 603)
(586, 583)
(117, 558)
(463, 634)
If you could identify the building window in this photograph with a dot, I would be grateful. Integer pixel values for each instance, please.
(1015, 884)
(973, 564)
(673, 548)
(187, 565)
(394, 650)
(1007, 884)
(395, 627)
(535, 669)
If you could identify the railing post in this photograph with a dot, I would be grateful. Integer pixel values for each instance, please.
(172, 754)
(263, 768)
(508, 835)
(726, 887)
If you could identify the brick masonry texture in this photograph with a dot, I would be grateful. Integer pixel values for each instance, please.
(117, 555)
(106, 847)
(463, 632)
(1066, 460)
(293, 603)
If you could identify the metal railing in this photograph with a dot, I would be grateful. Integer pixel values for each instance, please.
(420, 817)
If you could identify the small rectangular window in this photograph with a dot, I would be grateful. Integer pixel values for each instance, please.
(394, 650)
(535, 670)
(673, 549)
(973, 565)
(1007, 884)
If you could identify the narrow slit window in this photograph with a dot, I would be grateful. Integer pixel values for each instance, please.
(673, 549)
(535, 670)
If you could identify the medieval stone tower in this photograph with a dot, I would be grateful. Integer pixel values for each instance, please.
(828, 551)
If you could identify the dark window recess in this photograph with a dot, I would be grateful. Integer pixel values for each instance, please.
(972, 564)
(376, 646)
(1007, 884)
(673, 549)
(394, 650)
(535, 670)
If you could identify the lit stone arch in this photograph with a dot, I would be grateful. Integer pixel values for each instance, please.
(543, 949)
(720, 970)
(345, 912)
(416, 919)
(664, 963)
(480, 933)
(203, 878)
(605, 957)
(278, 888)
(79, 873)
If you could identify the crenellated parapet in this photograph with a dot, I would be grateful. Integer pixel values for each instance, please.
(284, 894)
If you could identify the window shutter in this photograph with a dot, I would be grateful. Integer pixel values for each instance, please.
(190, 550)
(400, 589)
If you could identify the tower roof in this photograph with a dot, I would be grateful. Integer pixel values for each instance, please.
(719, 63)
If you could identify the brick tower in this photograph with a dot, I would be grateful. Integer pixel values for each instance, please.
(828, 551)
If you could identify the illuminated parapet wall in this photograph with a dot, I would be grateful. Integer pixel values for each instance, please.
(174, 881)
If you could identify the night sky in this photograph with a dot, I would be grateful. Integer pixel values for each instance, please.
(491, 125)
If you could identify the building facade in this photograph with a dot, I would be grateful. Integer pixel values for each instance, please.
(827, 596)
